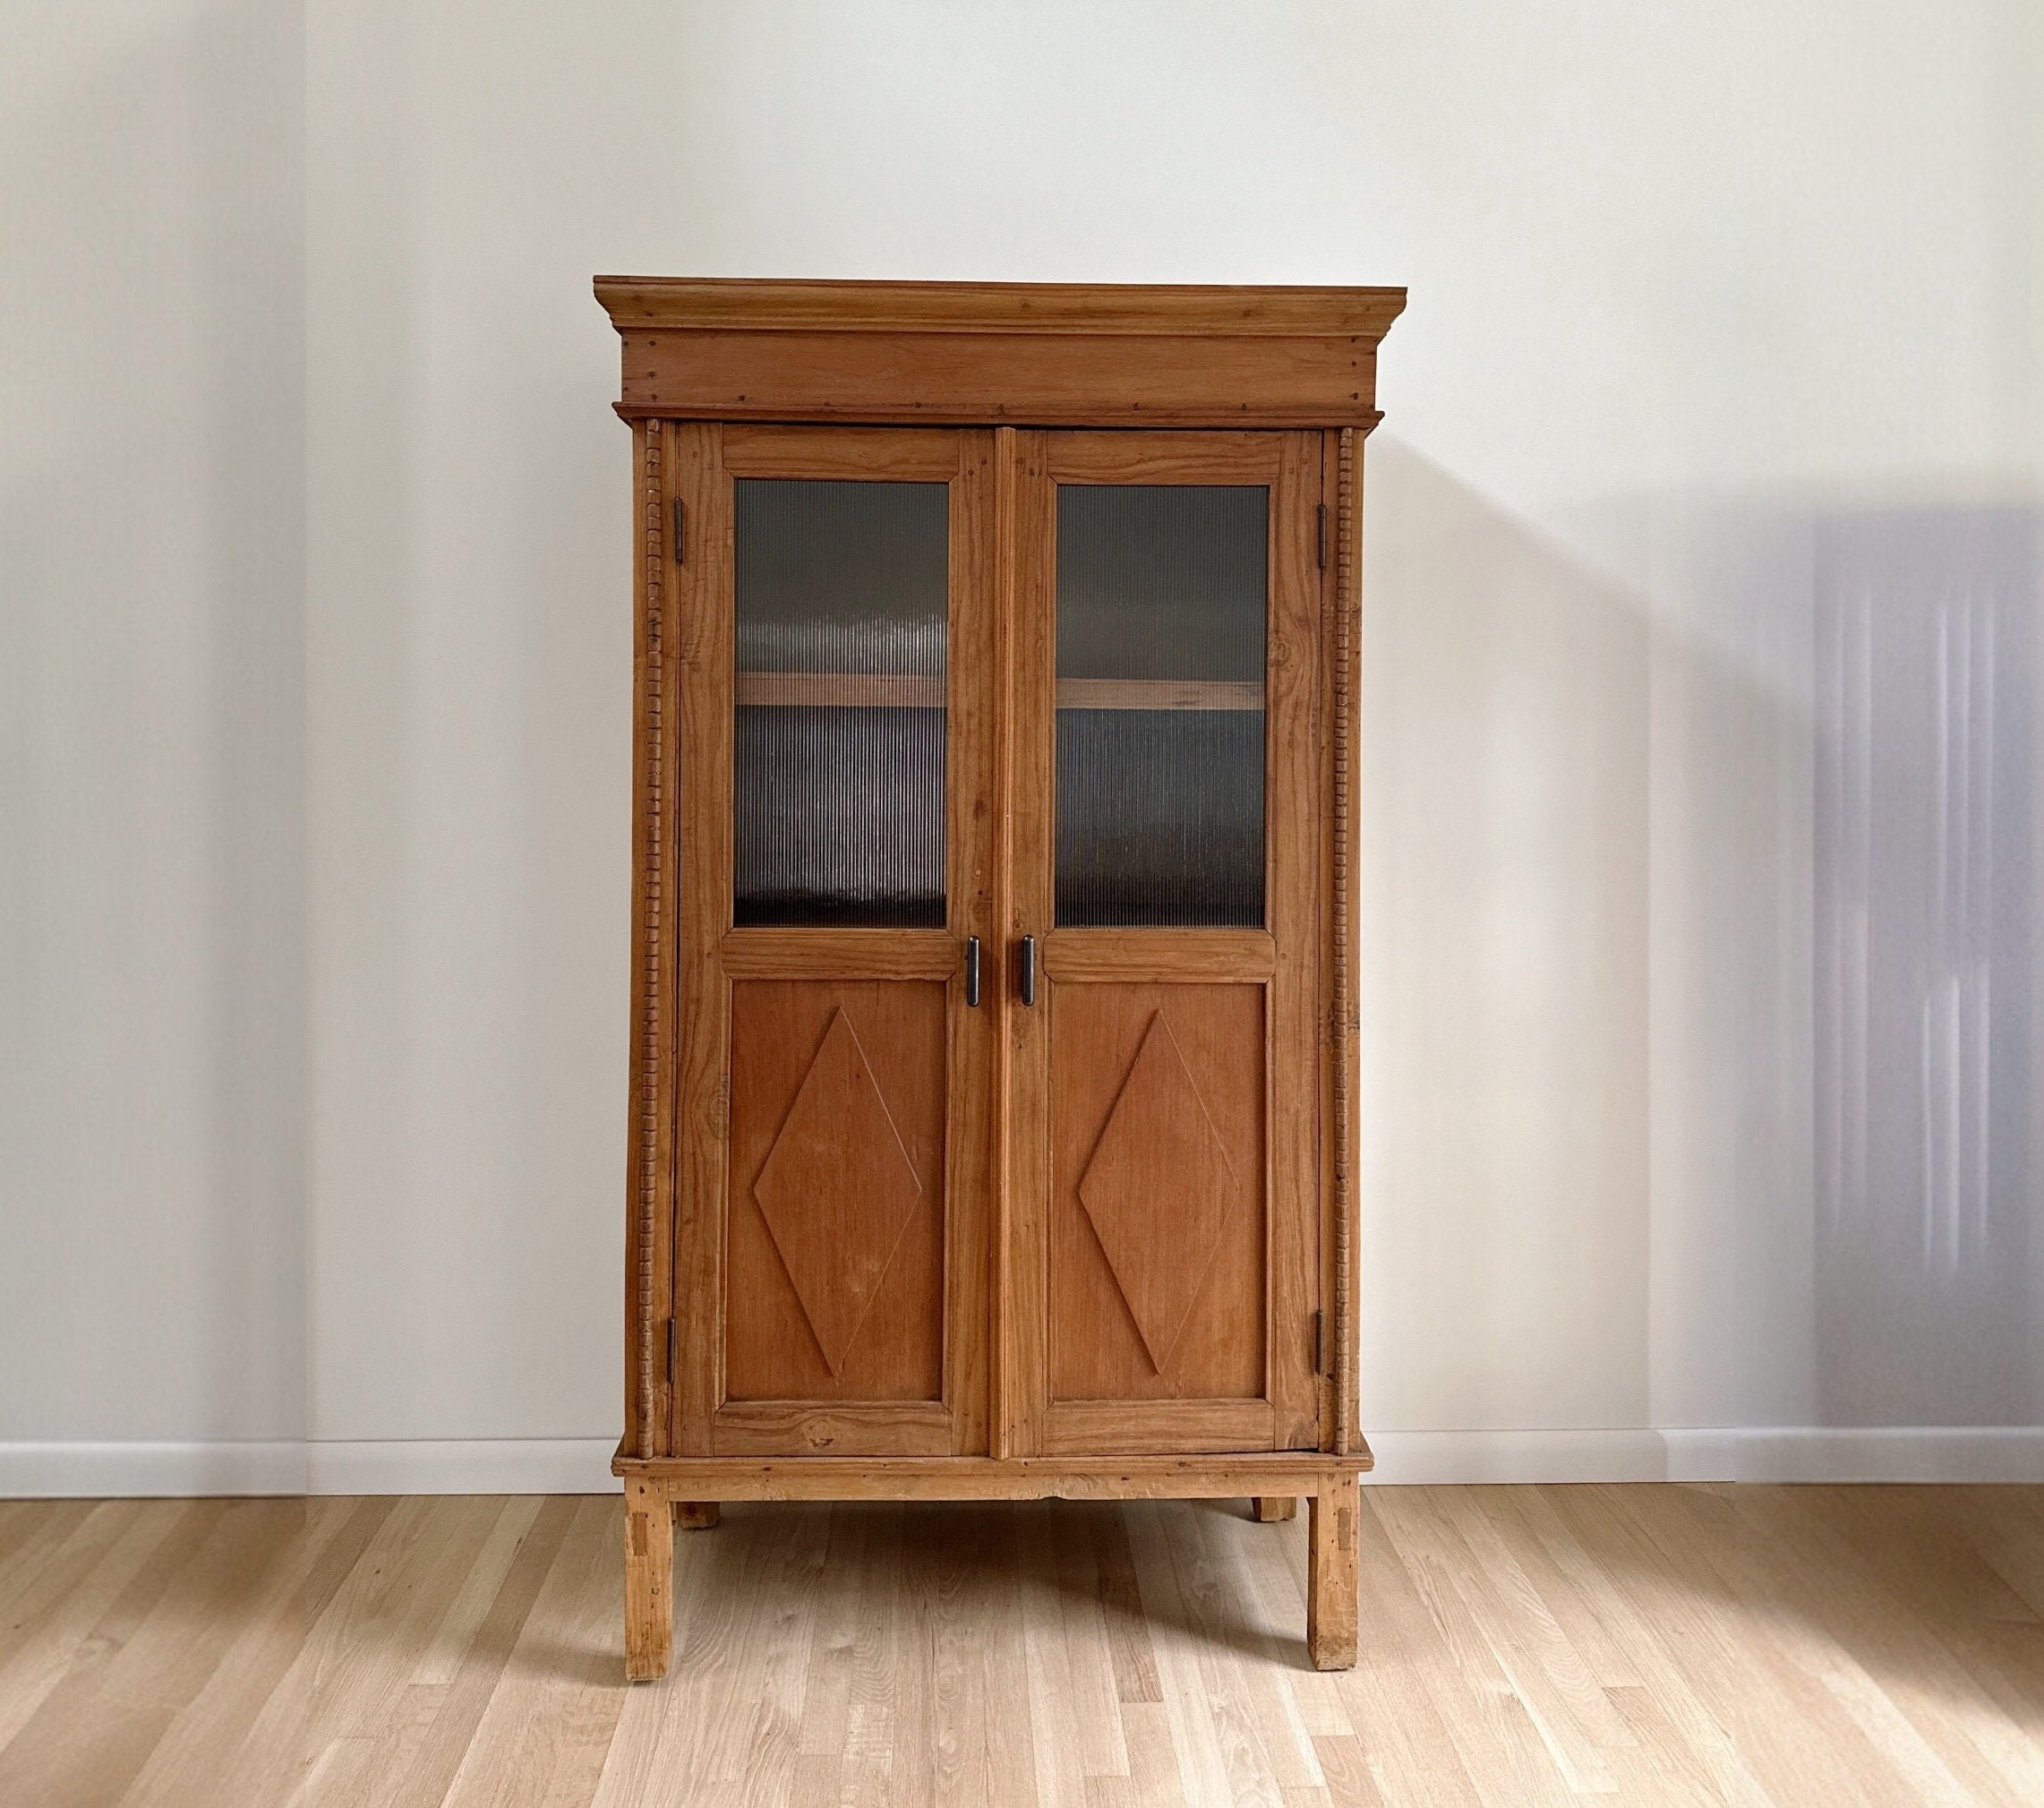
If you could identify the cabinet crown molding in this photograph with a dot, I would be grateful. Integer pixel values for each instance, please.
(1037, 353)
(779, 304)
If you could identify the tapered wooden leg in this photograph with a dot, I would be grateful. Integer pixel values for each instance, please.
(1331, 1576)
(649, 1582)
(1270, 1508)
(694, 1515)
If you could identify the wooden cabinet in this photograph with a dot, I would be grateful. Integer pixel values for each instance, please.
(993, 1061)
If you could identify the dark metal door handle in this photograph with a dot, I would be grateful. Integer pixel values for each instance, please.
(1028, 970)
(972, 973)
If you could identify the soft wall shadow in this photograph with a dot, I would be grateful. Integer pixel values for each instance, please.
(1503, 975)
(1926, 935)
(1700, 929)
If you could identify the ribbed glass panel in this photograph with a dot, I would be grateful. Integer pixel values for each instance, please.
(1160, 655)
(838, 772)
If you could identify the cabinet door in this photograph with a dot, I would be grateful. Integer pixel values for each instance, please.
(1164, 1093)
(834, 1096)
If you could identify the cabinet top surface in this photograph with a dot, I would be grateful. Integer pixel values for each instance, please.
(741, 304)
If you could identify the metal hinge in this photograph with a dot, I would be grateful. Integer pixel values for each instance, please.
(1324, 537)
(1320, 1343)
(681, 531)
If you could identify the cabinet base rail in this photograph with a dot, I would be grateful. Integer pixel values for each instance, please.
(659, 1491)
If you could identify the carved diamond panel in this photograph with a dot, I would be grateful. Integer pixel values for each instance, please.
(837, 1191)
(1158, 1189)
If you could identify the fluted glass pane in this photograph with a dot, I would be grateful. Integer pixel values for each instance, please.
(1160, 651)
(838, 771)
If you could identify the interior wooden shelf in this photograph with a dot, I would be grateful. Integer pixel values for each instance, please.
(872, 690)
(1158, 693)
(841, 689)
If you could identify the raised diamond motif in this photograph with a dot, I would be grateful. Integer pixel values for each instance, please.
(837, 1190)
(1158, 1190)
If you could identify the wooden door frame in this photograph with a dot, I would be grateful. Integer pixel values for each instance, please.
(1286, 956)
(681, 460)
(698, 1420)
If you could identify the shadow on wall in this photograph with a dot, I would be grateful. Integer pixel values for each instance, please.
(1504, 970)
(1926, 945)
(1699, 925)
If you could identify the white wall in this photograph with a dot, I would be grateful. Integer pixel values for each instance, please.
(152, 727)
(1702, 308)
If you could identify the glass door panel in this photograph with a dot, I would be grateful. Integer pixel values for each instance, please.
(1160, 653)
(838, 767)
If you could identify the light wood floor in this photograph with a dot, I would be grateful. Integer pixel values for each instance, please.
(1863, 1647)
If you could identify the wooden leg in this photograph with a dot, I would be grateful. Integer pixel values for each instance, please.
(694, 1515)
(649, 1582)
(1270, 1508)
(1331, 1576)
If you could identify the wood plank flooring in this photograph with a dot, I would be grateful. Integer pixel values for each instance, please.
(1867, 1648)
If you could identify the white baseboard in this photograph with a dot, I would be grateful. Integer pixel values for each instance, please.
(136, 1469)
(582, 1465)
(551, 1465)
(1421, 1457)
(1954, 1453)
(1748, 1453)
(522, 1465)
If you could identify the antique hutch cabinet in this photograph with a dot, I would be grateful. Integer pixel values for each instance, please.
(992, 1122)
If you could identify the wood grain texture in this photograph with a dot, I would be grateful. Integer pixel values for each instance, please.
(1650, 1647)
(1343, 811)
(699, 1073)
(1334, 1066)
(786, 954)
(1159, 956)
(1149, 1423)
(837, 1203)
(1272, 1508)
(1061, 380)
(900, 455)
(820, 1425)
(1131, 457)
(1159, 693)
(1032, 781)
(1158, 1189)
(649, 1582)
(1007, 1404)
(1292, 813)
(972, 879)
(1131, 1065)
(1117, 1476)
(779, 304)
(649, 1265)
(837, 691)
(1331, 1577)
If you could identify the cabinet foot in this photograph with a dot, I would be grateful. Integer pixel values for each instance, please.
(1331, 1576)
(694, 1515)
(1268, 1508)
(649, 1582)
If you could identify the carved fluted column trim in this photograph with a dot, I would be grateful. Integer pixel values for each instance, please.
(1345, 631)
(653, 926)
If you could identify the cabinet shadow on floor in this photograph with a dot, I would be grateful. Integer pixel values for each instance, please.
(995, 1574)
